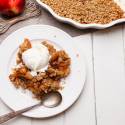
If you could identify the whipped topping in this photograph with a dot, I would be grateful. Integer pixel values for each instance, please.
(36, 58)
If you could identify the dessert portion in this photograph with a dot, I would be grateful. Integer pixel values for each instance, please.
(87, 11)
(40, 68)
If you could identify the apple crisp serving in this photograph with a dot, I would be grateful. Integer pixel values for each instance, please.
(87, 11)
(45, 81)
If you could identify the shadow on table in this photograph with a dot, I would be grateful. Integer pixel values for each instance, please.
(47, 18)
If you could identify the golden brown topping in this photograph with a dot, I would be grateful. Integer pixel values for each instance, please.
(43, 82)
(50, 47)
(25, 45)
(87, 11)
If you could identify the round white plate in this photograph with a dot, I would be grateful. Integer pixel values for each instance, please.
(17, 99)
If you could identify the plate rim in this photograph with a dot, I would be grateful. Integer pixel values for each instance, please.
(2, 44)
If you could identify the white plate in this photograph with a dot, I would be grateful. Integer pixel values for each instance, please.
(79, 25)
(17, 99)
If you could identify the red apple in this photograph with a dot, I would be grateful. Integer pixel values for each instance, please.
(11, 8)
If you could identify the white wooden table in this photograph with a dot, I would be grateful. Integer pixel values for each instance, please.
(103, 99)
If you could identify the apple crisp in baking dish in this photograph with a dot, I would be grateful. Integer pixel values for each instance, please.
(87, 11)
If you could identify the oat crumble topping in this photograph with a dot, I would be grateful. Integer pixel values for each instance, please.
(87, 11)
(43, 82)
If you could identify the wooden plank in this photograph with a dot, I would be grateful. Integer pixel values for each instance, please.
(83, 111)
(109, 76)
(56, 120)
(123, 37)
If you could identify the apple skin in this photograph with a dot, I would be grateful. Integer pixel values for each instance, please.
(11, 8)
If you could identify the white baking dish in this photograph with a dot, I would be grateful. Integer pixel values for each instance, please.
(79, 25)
